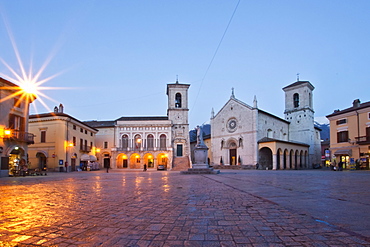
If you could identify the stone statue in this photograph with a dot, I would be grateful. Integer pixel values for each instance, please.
(199, 136)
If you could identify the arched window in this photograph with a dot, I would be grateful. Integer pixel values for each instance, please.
(162, 141)
(138, 142)
(125, 141)
(178, 100)
(296, 99)
(150, 141)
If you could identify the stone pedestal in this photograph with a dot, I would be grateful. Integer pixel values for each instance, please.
(200, 157)
(200, 165)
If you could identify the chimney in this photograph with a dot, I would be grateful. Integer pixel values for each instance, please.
(55, 109)
(61, 108)
(356, 103)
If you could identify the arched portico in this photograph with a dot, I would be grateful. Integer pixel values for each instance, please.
(292, 157)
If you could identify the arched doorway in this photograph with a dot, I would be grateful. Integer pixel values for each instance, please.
(265, 158)
(41, 159)
(232, 153)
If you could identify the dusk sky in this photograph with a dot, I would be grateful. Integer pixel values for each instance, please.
(114, 58)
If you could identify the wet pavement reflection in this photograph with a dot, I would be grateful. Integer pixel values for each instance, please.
(163, 208)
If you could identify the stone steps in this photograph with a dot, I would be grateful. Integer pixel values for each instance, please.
(200, 171)
(181, 164)
(241, 167)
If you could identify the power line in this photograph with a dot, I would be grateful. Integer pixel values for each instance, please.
(215, 53)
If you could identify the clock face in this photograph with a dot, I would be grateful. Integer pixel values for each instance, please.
(231, 125)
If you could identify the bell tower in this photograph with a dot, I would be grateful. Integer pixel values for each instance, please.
(177, 112)
(299, 112)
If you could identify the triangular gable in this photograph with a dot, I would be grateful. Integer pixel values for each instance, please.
(236, 101)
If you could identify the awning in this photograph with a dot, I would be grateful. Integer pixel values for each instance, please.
(85, 157)
(343, 152)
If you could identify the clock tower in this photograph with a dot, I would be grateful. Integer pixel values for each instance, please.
(177, 112)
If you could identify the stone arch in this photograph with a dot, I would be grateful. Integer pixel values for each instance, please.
(122, 161)
(135, 161)
(162, 159)
(149, 160)
(265, 158)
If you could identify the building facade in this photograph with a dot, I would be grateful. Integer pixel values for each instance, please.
(62, 142)
(350, 136)
(243, 134)
(14, 135)
(151, 141)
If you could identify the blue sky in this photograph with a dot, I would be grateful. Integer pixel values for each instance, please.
(119, 55)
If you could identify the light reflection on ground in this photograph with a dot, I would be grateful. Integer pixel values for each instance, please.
(166, 208)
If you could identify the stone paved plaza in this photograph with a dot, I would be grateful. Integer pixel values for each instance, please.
(161, 208)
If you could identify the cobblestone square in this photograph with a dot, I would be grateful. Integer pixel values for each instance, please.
(163, 208)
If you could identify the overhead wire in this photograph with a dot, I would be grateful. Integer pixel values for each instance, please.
(215, 53)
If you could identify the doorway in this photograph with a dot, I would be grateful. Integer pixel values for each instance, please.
(233, 157)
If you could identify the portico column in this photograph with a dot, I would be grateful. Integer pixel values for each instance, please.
(274, 161)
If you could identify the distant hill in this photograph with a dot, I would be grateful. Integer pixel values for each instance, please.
(325, 131)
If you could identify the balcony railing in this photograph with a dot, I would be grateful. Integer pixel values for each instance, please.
(141, 149)
(21, 136)
(362, 140)
(85, 149)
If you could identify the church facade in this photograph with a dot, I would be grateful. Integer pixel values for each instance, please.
(154, 142)
(246, 135)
